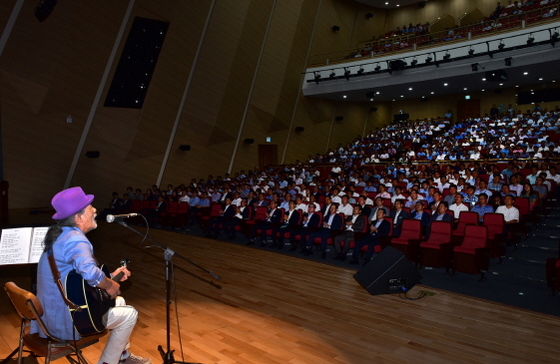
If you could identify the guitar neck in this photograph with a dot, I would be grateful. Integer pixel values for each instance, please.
(117, 277)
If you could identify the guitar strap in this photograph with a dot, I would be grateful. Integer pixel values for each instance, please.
(56, 278)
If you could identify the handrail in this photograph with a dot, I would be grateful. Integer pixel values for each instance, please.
(404, 43)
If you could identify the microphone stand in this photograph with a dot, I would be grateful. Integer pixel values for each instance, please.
(168, 255)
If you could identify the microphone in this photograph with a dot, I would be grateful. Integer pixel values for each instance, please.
(121, 217)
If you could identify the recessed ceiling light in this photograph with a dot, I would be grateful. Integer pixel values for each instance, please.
(398, 6)
(445, 84)
(484, 79)
(370, 99)
(432, 92)
(402, 95)
(525, 73)
(465, 89)
(343, 96)
(410, 89)
(377, 93)
(540, 79)
(501, 84)
(387, 3)
(483, 90)
(553, 80)
(394, 100)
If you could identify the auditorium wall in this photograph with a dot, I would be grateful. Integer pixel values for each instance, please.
(50, 72)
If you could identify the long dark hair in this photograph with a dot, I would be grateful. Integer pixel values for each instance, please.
(55, 230)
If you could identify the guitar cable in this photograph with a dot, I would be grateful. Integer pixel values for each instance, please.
(177, 310)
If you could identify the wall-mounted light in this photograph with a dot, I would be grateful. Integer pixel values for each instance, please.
(508, 61)
(475, 67)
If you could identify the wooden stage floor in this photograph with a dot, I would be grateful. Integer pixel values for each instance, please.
(272, 308)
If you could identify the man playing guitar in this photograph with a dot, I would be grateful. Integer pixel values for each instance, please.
(72, 251)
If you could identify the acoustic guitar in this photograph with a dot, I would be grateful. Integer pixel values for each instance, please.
(93, 302)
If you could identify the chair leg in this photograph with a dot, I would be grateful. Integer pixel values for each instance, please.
(5, 361)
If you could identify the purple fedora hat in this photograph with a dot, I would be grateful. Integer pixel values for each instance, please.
(69, 202)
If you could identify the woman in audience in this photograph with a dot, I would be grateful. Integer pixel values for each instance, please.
(530, 194)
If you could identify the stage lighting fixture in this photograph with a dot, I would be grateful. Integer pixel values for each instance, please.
(531, 40)
(377, 68)
(447, 56)
(471, 52)
(508, 61)
(347, 73)
(414, 62)
(554, 37)
(317, 77)
(475, 67)
(332, 75)
(501, 46)
(428, 59)
(361, 70)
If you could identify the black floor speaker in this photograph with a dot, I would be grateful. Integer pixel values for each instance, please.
(388, 272)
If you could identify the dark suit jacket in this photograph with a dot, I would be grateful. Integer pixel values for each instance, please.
(402, 215)
(366, 210)
(446, 217)
(230, 212)
(276, 216)
(294, 219)
(314, 221)
(383, 229)
(359, 224)
(424, 220)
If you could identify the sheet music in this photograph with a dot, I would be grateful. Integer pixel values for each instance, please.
(37, 244)
(14, 246)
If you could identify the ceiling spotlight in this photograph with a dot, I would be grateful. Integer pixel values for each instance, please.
(531, 40)
(471, 52)
(501, 46)
(347, 73)
(554, 37)
(447, 56)
(508, 61)
(475, 67)
(361, 70)
(377, 68)
(333, 74)
(414, 62)
(317, 77)
(428, 59)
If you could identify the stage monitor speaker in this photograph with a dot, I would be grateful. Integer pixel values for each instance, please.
(299, 129)
(92, 154)
(249, 141)
(184, 147)
(388, 272)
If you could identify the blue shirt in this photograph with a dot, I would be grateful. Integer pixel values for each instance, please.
(72, 251)
(482, 210)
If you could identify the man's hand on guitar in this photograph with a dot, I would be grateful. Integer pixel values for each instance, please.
(124, 276)
(112, 288)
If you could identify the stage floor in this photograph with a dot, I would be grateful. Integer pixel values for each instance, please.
(273, 308)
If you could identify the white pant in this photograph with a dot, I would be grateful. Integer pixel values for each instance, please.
(120, 320)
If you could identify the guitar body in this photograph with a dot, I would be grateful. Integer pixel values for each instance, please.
(95, 302)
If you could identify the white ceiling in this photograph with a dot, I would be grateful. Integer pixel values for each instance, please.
(389, 4)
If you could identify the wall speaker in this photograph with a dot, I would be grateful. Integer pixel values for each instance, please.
(44, 9)
(370, 95)
(335, 28)
(388, 272)
(372, 109)
(369, 15)
(401, 117)
(339, 118)
(184, 147)
(92, 154)
(421, 4)
(249, 141)
(299, 129)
